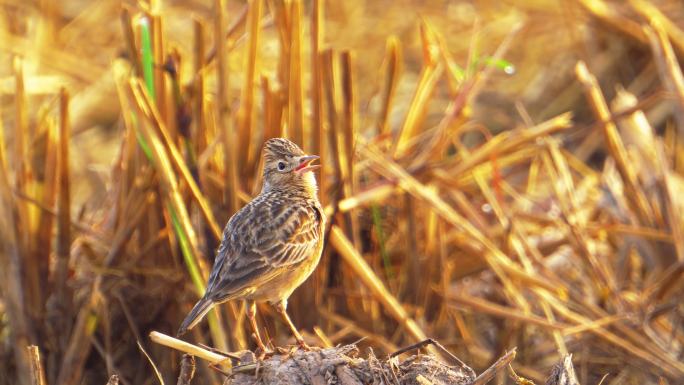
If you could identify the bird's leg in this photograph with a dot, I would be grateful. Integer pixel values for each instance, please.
(251, 315)
(281, 307)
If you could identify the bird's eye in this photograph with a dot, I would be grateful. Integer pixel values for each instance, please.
(281, 166)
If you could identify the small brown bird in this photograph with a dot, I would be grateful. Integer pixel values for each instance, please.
(271, 245)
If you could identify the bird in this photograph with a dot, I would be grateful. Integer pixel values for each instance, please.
(271, 245)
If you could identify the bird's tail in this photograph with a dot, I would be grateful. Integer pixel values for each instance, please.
(198, 312)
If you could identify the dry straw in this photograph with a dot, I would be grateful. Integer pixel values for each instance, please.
(486, 211)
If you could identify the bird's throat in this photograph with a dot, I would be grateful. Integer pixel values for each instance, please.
(309, 182)
(304, 184)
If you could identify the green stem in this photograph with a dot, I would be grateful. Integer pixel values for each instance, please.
(186, 250)
(147, 56)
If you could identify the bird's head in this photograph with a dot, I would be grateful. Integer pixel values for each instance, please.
(286, 165)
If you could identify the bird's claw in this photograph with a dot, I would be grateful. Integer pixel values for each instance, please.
(286, 353)
(282, 350)
(303, 346)
(264, 354)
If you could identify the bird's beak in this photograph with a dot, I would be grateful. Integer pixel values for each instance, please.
(305, 164)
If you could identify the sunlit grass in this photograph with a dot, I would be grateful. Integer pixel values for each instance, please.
(545, 214)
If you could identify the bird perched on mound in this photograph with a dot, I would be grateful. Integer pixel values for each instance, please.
(271, 245)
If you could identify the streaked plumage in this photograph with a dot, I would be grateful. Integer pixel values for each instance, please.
(272, 244)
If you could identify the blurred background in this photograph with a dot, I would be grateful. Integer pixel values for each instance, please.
(498, 174)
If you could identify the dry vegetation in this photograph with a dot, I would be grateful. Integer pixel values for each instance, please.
(498, 176)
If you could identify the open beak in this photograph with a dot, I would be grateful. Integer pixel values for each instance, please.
(305, 164)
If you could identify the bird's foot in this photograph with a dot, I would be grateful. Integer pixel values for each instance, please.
(263, 353)
(301, 345)
(286, 353)
(282, 351)
(290, 350)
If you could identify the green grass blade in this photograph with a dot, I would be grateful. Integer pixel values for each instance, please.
(147, 56)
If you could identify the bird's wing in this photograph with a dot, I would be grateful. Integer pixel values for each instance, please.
(261, 240)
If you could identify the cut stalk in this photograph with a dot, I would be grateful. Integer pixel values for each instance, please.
(246, 112)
